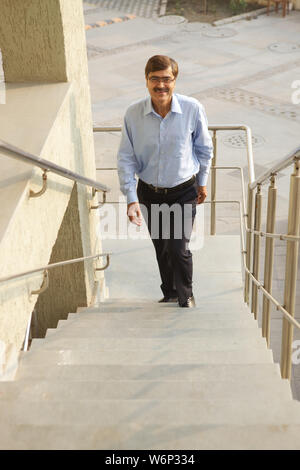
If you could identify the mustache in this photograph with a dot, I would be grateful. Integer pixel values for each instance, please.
(161, 89)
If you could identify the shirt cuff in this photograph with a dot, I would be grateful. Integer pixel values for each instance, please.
(132, 196)
(202, 179)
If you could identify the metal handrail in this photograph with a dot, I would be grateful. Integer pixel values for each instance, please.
(14, 152)
(292, 250)
(232, 127)
(292, 255)
(45, 283)
(53, 265)
(281, 165)
(292, 238)
(243, 253)
(278, 236)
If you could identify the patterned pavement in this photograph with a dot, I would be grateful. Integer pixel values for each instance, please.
(143, 8)
(101, 23)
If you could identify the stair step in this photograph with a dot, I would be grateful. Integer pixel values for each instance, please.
(139, 344)
(152, 412)
(141, 437)
(86, 331)
(169, 307)
(165, 315)
(198, 372)
(63, 357)
(36, 390)
(120, 320)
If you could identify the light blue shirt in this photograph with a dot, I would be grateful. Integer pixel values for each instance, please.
(166, 151)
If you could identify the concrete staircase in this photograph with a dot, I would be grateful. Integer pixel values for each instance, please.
(134, 374)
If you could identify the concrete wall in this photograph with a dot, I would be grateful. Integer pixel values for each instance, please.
(77, 73)
(32, 40)
(32, 229)
(65, 282)
(45, 42)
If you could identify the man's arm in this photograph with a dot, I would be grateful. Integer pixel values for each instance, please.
(127, 164)
(203, 148)
(127, 167)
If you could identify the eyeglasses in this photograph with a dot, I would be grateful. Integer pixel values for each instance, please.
(161, 79)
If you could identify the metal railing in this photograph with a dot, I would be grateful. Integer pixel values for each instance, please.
(250, 225)
(45, 283)
(55, 265)
(292, 250)
(16, 153)
(47, 166)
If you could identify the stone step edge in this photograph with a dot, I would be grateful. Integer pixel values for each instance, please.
(43, 381)
(23, 387)
(237, 437)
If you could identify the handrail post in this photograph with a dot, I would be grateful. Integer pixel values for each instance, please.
(291, 267)
(43, 189)
(249, 221)
(213, 186)
(256, 250)
(269, 258)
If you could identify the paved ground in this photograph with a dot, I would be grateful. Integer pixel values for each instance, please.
(242, 73)
(146, 8)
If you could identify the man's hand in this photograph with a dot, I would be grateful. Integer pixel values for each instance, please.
(202, 194)
(134, 213)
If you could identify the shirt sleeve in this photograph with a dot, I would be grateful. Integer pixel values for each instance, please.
(127, 164)
(202, 144)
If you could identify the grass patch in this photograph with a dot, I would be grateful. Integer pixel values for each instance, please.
(192, 10)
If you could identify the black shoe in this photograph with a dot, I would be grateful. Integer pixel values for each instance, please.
(189, 303)
(168, 299)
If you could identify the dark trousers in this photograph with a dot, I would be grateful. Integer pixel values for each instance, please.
(170, 219)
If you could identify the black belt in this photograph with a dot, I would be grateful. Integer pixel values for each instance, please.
(170, 190)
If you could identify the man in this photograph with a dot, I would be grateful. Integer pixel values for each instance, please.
(166, 143)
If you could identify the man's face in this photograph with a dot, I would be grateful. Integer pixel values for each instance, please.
(161, 85)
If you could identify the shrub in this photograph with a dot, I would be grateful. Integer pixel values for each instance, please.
(238, 6)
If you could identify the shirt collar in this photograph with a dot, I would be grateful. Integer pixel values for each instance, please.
(175, 106)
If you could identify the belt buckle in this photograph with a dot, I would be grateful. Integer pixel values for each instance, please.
(161, 190)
